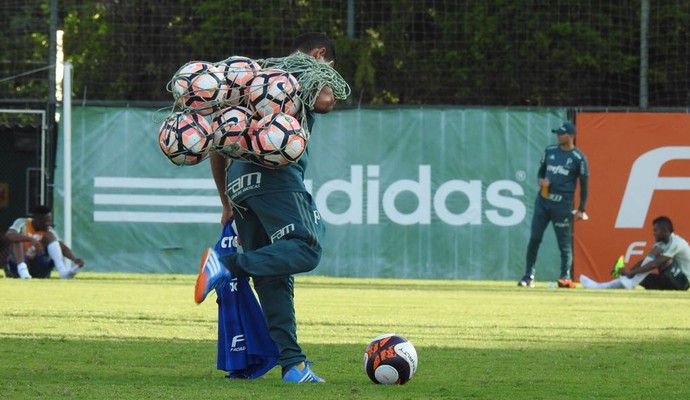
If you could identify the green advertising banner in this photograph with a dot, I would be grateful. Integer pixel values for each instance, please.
(412, 193)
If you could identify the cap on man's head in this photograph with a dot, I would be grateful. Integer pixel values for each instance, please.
(567, 127)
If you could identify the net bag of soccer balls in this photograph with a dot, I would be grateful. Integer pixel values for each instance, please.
(244, 109)
(390, 359)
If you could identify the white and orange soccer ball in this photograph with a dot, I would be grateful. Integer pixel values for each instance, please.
(274, 91)
(239, 72)
(185, 138)
(230, 128)
(390, 359)
(277, 140)
(199, 86)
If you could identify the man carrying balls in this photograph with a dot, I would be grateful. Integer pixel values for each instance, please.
(279, 226)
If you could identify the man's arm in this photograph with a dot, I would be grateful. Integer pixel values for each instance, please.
(579, 213)
(584, 192)
(584, 187)
(69, 254)
(541, 175)
(641, 266)
(13, 236)
(652, 265)
(325, 101)
(219, 166)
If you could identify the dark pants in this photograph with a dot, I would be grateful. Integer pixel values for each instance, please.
(39, 267)
(280, 235)
(559, 213)
(670, 278)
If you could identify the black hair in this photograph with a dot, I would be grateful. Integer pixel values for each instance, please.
(40, 210)
(308, 41)
(664, 222)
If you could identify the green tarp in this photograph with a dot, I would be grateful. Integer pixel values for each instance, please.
(410, 193)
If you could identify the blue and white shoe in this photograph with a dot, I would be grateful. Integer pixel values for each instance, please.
(294, 375)
(212, 273)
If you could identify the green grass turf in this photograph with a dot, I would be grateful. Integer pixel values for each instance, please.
(117, 336)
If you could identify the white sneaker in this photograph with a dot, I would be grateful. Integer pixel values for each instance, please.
(23, 272)
(68, 273)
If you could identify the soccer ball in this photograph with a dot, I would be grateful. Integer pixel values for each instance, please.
(230, 128)
(277, 140)
(274, 91)
(185, 138)
(239, 72)
(390, 359)
(200, 87)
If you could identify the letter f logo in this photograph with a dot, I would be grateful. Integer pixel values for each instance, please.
(644, 179)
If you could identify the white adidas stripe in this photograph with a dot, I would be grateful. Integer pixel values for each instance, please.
(213, 264)
(133, 198)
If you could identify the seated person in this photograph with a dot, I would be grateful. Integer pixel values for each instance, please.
(670, 255)
(35, 249)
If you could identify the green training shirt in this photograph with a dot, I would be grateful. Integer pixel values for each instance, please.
(245, 179)
(563, 168)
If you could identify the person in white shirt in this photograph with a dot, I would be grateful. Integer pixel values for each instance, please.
(670, 255)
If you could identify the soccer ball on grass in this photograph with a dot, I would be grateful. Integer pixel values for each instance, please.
(390, 359)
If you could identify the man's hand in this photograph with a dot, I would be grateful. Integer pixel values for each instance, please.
(544, 184)
(80, 262)
(625, 271)
(226, 216)
(37, 245)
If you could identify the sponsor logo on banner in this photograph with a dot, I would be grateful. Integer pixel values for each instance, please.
(637, 175)
(501, 203)
(369, 201)
(645, 179)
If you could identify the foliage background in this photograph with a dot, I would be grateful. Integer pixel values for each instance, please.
(395, 52)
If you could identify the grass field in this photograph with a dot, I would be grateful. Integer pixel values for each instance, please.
(116, 336)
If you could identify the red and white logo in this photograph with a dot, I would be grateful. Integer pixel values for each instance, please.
(640, 170)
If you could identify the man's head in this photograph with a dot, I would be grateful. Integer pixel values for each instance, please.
(566, 133)
(315, 44)
(42, 218)
(663, 228)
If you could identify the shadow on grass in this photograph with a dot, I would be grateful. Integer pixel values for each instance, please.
(49, 368)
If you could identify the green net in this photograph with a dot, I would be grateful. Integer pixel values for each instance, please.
(312, 75)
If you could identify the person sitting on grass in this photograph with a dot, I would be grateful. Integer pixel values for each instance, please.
(670, 255)
(35, 249)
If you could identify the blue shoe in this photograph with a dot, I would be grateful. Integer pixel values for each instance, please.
(212, 273)
(294, 375)
(526, 281)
